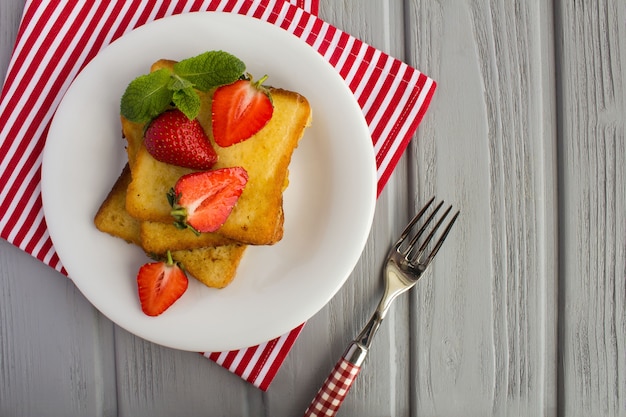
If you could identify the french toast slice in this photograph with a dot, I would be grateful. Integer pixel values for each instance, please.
(257, 218)
(214, 266)
(133, 133)
(160, 237)
(112, 217)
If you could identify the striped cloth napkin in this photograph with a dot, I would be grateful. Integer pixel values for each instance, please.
(57, 39)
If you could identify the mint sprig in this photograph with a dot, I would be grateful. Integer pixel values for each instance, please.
(187, 100)
(146, 96)
(149, 95)
(210, 69)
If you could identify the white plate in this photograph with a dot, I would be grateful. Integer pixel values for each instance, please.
(329, 205)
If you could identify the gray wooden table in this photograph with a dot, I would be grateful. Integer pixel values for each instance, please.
(524, 311)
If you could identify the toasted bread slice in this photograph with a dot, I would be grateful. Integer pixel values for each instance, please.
(133, 133)
(257, 218)
(161, 237)
(146, 198)
(215, 266)
(112, 217)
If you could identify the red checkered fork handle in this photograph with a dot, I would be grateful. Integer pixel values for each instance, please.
(334, 390)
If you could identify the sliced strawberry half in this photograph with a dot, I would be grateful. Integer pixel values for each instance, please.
(160, 284)
(239, 110)
(203, 201)
(175, 139)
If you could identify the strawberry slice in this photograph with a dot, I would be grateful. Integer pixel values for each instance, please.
(175, 139)
(202, 201)
(160, 284)
(239, 110)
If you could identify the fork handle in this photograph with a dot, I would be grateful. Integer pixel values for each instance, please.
(334, 390)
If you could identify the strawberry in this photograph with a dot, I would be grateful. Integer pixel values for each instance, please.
(160, 284)
(202, 201)
(175, 139)
(239, 110)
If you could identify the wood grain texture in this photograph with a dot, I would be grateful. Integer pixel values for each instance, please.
(486, 316)
(55, 356)
(157, 381)
(592, 65)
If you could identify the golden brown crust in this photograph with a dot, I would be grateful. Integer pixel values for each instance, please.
(160, 237)
(162, 63)
(146, 199)
(112, 219)
(133, 133)
(215, 267)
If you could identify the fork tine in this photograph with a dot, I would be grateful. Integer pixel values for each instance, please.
(410, 248)
(407, 229)
(423, 229)
(414, 220)
(430, 236)
(442, 237)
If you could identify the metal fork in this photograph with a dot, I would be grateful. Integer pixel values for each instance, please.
(406, 262)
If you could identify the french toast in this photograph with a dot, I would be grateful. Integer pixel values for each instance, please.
(112, 217)
(214, 266)
(137, 208)
(257, 217)
(160, 237)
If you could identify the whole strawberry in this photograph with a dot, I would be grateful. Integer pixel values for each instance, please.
(175, 139)
(160, 284)
(202, 201)
(239, 110)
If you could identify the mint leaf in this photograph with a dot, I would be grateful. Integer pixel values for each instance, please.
(210, 69)
(177, 83)
(187, 101)
(146, 96)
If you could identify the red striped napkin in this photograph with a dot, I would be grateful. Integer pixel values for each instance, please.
(57, 39)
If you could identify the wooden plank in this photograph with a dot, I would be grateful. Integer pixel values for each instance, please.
(153, 380)
(486, 313)
(56, 355)
(591, 61)
(383, 386)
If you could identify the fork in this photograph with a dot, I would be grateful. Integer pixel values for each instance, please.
(405, 264)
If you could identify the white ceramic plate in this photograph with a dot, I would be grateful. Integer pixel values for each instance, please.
(329, 205)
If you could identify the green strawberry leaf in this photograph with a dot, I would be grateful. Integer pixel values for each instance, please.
(210, 69)
(146, 96)
(187, 101)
